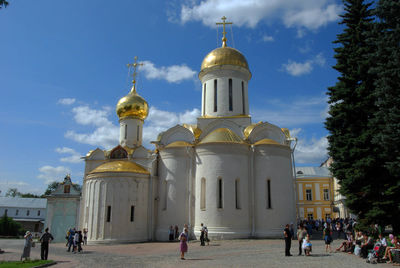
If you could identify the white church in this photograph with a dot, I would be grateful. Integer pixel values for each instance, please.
(233, 175)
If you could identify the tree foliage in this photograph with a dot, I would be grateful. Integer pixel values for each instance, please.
(3, 3)
(358, 121)
(13, 192)
(9, 227)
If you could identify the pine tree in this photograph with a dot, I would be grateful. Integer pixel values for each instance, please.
(387, 117)
(351, 108)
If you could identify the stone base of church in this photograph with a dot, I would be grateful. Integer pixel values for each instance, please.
(115, 241)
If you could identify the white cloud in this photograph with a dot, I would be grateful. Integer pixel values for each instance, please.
(159, 121)
(172, 74)
(50, 174)
(106, 134)
(310, 14)
(293, 113)
(298, 68)
(267, 38)
(312, 151)
(66, 101)
(74, 157)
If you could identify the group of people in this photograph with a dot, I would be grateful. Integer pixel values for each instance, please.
(44, 240)
(173, 233)
(75, 239)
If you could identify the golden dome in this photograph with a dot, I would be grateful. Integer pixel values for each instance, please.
(224, 56)
(222, 135)
(267, 142)
(132, 105)
(120, 166)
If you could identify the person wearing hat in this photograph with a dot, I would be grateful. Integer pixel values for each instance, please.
(27, 246)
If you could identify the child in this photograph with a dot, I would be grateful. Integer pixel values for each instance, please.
(307, 246)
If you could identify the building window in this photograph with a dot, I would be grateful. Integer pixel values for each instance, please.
(165, 195)
(132, 213)
(108, 213)
(27, 213)
(137, 133)
(310, 216)
(5, 212)
(16, 212)
(67, 189)
(38, 213)
(230, 95)
(219, 193)
(243, 97)
(126, 132)
(326, 194)
(308, 195)
(269, 194)
(204, 98)
(237, 194)
(203, 194)
(215, 95)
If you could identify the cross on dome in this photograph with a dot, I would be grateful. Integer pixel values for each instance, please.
(223, 32)
(135, 65)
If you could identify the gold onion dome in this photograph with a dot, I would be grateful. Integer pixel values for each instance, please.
(132, 105)
(224, 56)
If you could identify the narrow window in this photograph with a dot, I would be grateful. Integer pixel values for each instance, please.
(5, 212)
(219, 193)
(108, 213)
(27, 213)
(237, 194)
(203, 194)
(137, 133)
(310, 216)
(67, 189)
(230, 95)
(165, 195)
(38, 213)
(126, 132)
(326, 194)
(16, 212)
(215, 95)
(204, 98)
(243, 97)
(269, 194)
(308, 195)
(132, 213)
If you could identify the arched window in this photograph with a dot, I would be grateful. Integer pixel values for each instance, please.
(203, 194)
(268, 193)
(230, 95)
(165, 195)
(243, 98)
(118, 153)
(126, 132)
(137, 133)
(219, 193)
(204, 98)
(108, 213)
(237, 194)
(215, 95)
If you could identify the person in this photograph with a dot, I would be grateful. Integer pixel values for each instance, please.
(80, 240)
(347, 244)
(44, 246)
(291, 230)
(71, 239)
(171, 233)
(307, 246)
(206, 235)
(183, 242)
(176, 232)
(85, 231)
(76, 242)
(27, 246)
(388, 250)
(301, 233)
(327, 233)
(202, 234)
(367, 245)
(288, 239)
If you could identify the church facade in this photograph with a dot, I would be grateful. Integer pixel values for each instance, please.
(233, 175)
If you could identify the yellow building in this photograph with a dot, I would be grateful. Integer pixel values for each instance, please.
(314, 193)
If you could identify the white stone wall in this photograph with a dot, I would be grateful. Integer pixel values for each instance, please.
(222, 76)
(173, 190)
(228, 162)
(130, 132)
(120, 191)
(273, 162)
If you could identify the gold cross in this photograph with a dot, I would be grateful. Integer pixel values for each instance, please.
(135, 65)
(223, 32)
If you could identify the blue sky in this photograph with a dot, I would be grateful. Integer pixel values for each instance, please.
(63, 70)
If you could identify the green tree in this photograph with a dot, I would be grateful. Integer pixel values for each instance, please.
(51, 187)
(13, 192)
(9, 227)
(387, 117)
(352, 105)
(3, 3)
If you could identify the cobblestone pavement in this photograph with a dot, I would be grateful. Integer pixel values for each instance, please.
(225, 253)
